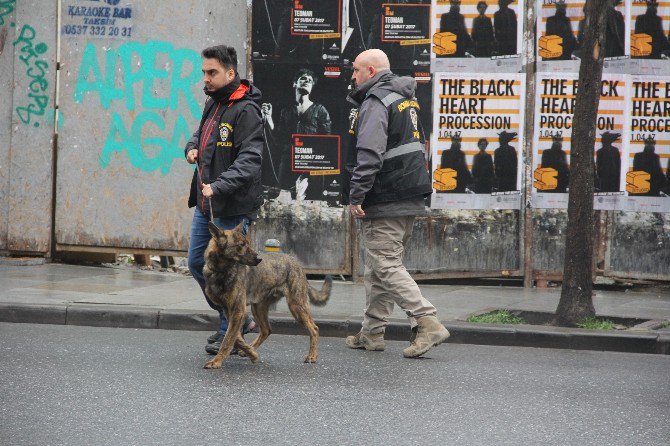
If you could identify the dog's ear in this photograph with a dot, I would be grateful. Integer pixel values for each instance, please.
(239, 228)
(213, 229)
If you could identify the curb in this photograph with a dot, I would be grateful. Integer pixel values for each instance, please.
(461, 332)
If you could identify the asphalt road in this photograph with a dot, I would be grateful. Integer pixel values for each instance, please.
(106, 386)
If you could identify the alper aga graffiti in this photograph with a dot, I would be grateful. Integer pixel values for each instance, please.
(149, 140)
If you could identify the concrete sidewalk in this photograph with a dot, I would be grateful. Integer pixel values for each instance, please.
(130, 297)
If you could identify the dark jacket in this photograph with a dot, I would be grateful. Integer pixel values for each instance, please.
(386, 181)
(230, 146)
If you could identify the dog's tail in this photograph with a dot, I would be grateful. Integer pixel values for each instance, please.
(320, 298)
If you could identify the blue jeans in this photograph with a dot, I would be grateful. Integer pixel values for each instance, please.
(200, 237)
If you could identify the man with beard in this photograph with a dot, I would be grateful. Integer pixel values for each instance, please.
(557, 159)
(454, 22)
(227, 150)
(454, 158)
(506, 162)
(482, 169)
(505, 27)
(651, 24)
(559, 25)
(482, 33)
(608, 164)
(648, 161)
(305, 117)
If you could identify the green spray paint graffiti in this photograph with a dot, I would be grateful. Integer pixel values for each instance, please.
(144, 137)
(6, 8)
(36, 69)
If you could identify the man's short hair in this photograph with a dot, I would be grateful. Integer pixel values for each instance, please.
(226, 55)
(302, 72)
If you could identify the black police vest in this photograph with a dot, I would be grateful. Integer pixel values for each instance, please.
(403, 173)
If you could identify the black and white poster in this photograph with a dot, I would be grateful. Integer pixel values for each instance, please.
(650, 37)
(647, 179)
(400, 28)
(297, 31)
(304, 113)
(473, 35)
(560, 36)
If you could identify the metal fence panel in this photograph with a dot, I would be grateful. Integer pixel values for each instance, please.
(318, 236)
(465, 243)
(639, 246)
(131, 98)
(30, 165)
(7, 27)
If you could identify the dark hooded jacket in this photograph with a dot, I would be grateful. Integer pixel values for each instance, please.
(230, 146)
(387, 165)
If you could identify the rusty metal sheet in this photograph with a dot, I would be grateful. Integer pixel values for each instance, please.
(7, 27)
(639, 246)
(131, 96)
(30, 167)
(549, 239)
(317, 235)
(467, 241)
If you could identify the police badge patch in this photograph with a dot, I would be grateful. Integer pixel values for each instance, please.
(225, 131)
(414, 117)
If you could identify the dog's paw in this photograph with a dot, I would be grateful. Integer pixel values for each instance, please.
(310, 359)
(254, 358)
(213, 364)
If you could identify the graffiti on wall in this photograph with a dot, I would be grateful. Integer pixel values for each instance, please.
(147, 79)
(6, 8)
(30, 54)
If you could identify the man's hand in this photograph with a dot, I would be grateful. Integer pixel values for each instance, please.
(356, 210)
(207, 191)
(192, 156)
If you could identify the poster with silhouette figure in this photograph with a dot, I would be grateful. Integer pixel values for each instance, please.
(304, 117)
(554, 107)
(477, 144)
(647, 181)
(400, 28)
(649, 22)
(560, 36)
(297, 31)
(473, 35)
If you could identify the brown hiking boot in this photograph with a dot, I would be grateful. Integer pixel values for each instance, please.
(429, 333)
(370, 342)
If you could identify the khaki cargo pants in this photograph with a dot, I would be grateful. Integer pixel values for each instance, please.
(386, 279)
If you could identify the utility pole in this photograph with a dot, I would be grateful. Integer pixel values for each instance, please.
(576, 301)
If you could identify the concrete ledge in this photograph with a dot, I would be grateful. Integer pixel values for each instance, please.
(461, 332)
(188, 320)
(33, 314)
(112, 316)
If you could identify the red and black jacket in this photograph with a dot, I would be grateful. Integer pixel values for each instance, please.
(230, 146)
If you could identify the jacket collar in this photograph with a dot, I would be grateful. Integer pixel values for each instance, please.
(357, 96)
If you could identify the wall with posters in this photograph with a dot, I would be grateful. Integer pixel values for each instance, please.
(130, 96)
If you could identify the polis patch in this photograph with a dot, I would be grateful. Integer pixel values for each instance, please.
(225, 133)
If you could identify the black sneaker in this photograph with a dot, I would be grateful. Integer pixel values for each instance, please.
(215, 337)
(214, 347)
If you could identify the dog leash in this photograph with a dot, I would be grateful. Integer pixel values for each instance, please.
(211, 214)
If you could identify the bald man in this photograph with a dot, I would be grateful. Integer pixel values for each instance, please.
(389, 182)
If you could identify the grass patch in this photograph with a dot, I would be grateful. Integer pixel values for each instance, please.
(596, 323)
(496, 317)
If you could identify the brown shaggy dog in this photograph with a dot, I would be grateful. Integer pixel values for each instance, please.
(235, 277)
